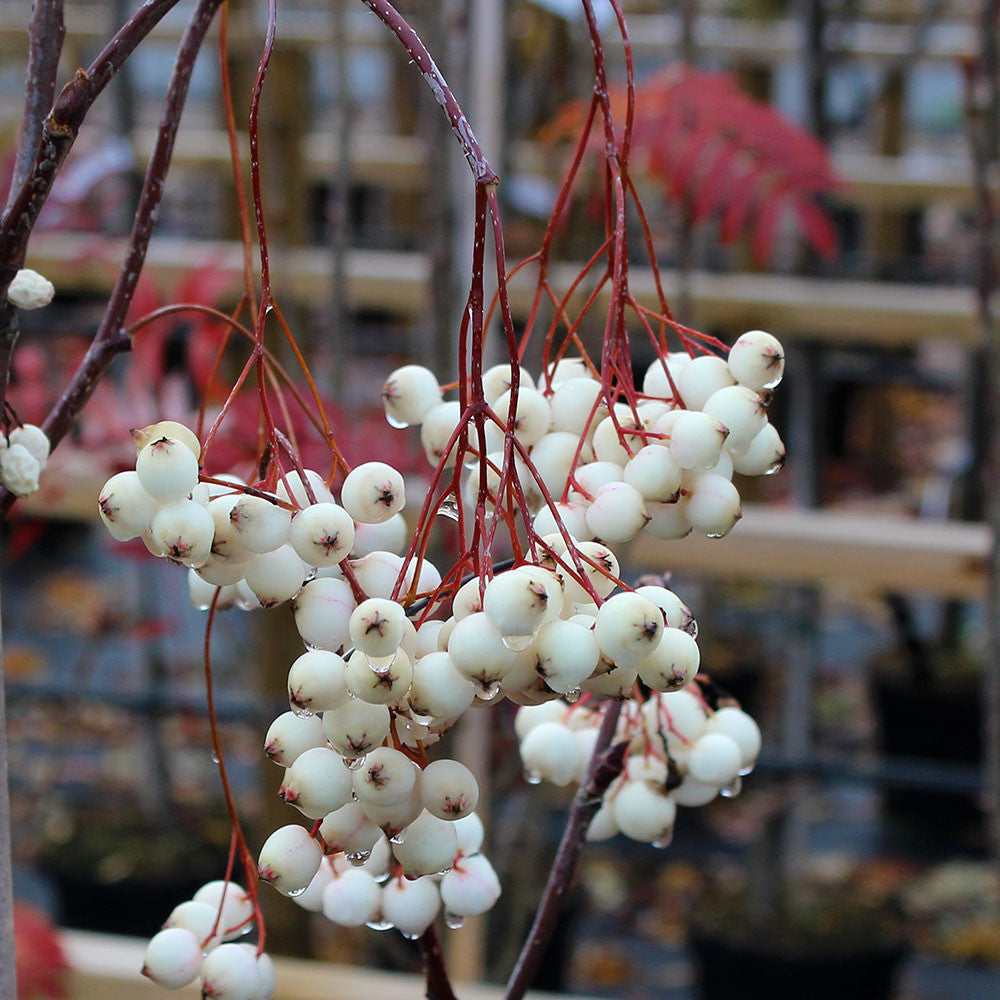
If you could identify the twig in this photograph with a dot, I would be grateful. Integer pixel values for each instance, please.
(45, 34)
(606, 764)
(109, 340)
(438, 985)
(57, 133)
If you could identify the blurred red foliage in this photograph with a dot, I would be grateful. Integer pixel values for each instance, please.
(41, 964)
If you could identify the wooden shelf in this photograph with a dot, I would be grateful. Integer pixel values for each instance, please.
(396, 282)
(104, 966)
(869, 551)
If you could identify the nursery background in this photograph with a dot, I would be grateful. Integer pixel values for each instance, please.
(821, 170)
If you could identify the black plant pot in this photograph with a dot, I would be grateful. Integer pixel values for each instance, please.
(728, 970)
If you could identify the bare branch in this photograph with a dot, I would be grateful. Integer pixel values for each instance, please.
(438, 984)
(45, 33)
(606, 764)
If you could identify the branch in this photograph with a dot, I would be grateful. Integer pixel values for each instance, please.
(438, 984)
(417, 51)
(606, 764)
(109, 340)
(45, 33)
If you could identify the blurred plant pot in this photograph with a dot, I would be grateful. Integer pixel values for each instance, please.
(760, 971)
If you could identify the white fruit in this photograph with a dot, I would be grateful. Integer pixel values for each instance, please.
(408, 393)
(757, 360)
(696, 439)
(226, 547)
(323, 611)
(141, 436)
(764, 456)
(356, 727)
(628, 628)
(668, 520)
(714, 760)
(377, 572)
(656, 383)
(693, 793)
(378, 682)
(322, 534)
(237, 907)
(231, 973)
(173, 958)
(530, 716)
(438, 689)
(615, 439)
(569, 368)
(741, 729)
(673, 663)
(595, 475)
(655, 473)
(396, 816)
(550, 751)
(427, 638)
(386, 777)
(516, 603)
(601, 568)
(377, 627)
(373, 492)
(644, 813)
(470, 833)
(680, 716)
(293, 488)
(291, 735)
(276, 576)
(617, 514)
(742, 411)
(126, 509)
(572, 515)
(496, 382)
(34, 440)
(470, 888)
(30, 290)
(616, 683)
(575, 407)
(316, 682)
(348, 829)
(184, 530)
(438, 426)
(317, 783)
(676, 613)
(259, 525)
(603, 825)
(713, 507)
(477, 650)
(200, 918)
(411, 904)
(265, 975)
(566, 654)
(555, 455)
(448, 789)
(429, 846)
(352, 899)
(289, 859)
(312, 898)
(167, 469)
(532, 417)
(700, 377)
(389, 536)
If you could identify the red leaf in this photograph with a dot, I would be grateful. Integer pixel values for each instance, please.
(41, 964)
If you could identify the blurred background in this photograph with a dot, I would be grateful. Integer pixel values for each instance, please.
(806, 168)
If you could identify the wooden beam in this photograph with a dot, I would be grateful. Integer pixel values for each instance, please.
(883, 314)
(872, 552)
(104, 966)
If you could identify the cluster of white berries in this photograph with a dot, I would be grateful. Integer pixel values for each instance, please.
(681, 752)
(24, 453)
(664, 465)
(199, 941)
(395, 839)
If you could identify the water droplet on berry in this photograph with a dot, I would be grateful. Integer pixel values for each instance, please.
(775, 467)
(302, 712)
(381, 925)
(733, 789)
(396, 422)
(398, 837)
(517, 643)
(296, 892)
(454, 920)
(353, 763)
(489, 692)
(532, 777)
(358, 858)
(662, 843)
(716, 534)
(747, 769)
(411, 937)
(215, 757)
(379, 664)
(573, 695)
